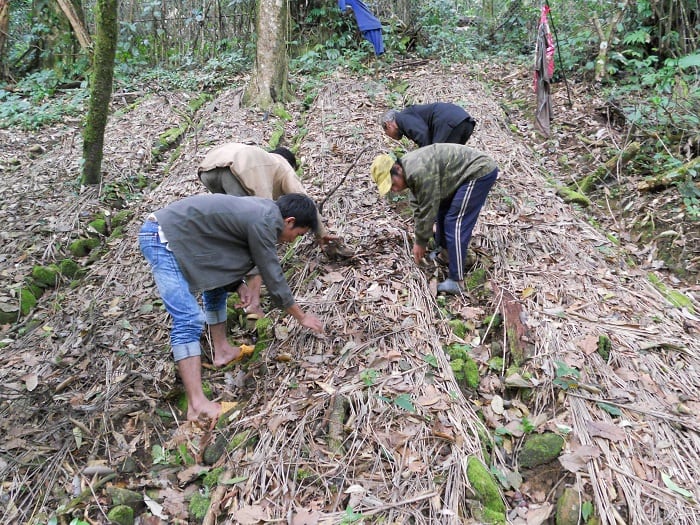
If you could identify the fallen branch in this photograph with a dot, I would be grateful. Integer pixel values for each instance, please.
(666, 179)
(342, 179)
(620, 159)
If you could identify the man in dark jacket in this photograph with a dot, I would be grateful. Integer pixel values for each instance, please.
(427, 124)
(208, 244)
(449, 184)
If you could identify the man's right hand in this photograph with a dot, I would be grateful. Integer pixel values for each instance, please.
(312, 322)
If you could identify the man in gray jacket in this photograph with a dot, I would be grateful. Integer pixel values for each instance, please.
(208, 244)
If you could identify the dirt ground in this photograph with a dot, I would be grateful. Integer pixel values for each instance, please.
(90, 399)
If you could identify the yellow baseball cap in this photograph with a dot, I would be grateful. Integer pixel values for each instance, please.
(381, 175)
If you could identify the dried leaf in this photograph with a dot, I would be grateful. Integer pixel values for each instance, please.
(537, 516)
(588, 344)
(605, 430)
(577, 460)
(154, 507)
(250, 515)
(305, 517)
(31, 381)
(497, 405)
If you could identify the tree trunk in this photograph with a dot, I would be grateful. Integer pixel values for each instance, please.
(4, 25)
(605, 35)
(268, 83)
(100, 89)
(76, 22)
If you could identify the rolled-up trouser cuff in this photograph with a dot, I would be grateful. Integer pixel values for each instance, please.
(215, 316)
(185, 350)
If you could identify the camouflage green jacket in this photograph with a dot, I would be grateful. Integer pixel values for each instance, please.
(434, 173)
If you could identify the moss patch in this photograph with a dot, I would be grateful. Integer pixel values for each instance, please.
(476, 278)
(46, 276)
(82, 247)
(465, 369)
(486, 490)
(27, 301)
(68, 268)
(121, 514)
(199, 504)
(539, 449)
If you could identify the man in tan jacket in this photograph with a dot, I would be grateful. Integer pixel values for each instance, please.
(245, 170)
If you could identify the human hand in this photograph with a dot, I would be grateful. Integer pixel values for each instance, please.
(328, 239)
(312, 322)
(418, 253)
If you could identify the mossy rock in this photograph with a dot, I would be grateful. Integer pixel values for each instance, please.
(27, 301)
(199, 505)
(466, 371)
(116, 233)
(573, 197)
(458, 327)
(485, 487)
(46, 276)
(539, 449)
(215, 450)
(98, 225)
(9, 312)
(121, 497)
(82, 247)
(68, 268)
(121, 514)
(32, 286)
(122, 218)
(568, 508)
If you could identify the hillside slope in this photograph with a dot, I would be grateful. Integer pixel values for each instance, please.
(369, 420)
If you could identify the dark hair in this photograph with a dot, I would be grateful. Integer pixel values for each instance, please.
(301, 207)
(288, 156)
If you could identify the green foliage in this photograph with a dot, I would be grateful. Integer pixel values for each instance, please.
(566, 376)
(438, 22)
(369, 376)
(33, 111)
(199, 504)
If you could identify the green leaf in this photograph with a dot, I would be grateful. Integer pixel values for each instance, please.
(233, 481)
(431, 360)
(586, 510)
(689, 61)
(404, 401)
(610, 409)
(675, 488)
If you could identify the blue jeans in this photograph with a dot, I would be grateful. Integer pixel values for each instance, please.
(187, 316)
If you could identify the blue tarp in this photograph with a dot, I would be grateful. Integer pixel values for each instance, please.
(369, 25)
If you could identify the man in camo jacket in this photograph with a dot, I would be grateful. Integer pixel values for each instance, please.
(449, 184)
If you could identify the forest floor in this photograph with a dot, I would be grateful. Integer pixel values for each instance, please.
(577, 325)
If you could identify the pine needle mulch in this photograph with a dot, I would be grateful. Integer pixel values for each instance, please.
(367, 421)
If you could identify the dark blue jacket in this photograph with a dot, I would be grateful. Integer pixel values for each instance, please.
(427, 124)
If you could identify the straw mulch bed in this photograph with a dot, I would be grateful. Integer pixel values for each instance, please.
(92, 385)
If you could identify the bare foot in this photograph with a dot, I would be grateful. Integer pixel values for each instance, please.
(224, 353)
(205, 410)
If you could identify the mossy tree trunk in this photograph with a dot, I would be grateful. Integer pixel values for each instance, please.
(4, 27)
(100, 89)
(268, 83)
